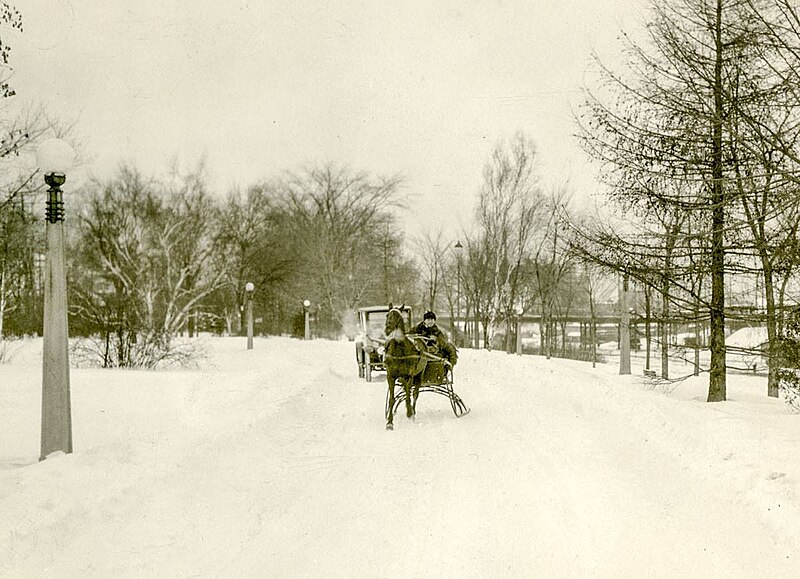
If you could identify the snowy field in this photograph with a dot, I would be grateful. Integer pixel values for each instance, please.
(274, 462)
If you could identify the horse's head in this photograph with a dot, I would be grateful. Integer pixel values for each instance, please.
(395, 325)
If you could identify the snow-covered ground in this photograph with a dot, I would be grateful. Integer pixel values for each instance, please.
(275, 462)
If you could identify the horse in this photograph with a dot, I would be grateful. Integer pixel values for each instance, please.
(404, 361)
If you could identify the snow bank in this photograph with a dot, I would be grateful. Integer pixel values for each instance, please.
(275, 462)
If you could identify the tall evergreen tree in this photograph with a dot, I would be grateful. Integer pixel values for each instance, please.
(665, 122)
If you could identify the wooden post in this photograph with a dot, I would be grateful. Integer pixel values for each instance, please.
(624, 330)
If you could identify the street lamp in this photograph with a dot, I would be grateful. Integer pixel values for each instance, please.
(519, 310)
(458, 247)
(249, 287)
(307, 321)
(54, 158)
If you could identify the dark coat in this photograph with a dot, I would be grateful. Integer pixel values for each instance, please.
(446, 349)
(430, 332)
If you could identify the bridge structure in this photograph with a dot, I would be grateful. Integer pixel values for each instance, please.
(576, 329)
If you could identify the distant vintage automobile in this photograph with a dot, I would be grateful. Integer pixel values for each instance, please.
(370, 339)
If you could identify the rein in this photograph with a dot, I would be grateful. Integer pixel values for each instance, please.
(414, 357)
(398, 342)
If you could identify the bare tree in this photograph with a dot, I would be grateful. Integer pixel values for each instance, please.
(349, 246)
(19, 231)
(9, 17)
(252, 245)
(553, 282)
(510, 208)
(476, 288)
(431, 249)
(146, 264)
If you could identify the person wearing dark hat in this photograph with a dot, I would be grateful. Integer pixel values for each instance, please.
(428, 328)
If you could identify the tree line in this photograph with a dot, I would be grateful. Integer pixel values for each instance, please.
(153, 258)
(695, 132)
(515, 258)
(159, 258)
(156, 257)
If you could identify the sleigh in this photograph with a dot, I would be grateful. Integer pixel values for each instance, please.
(437, 378)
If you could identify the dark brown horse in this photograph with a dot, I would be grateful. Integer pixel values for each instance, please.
(404, 361)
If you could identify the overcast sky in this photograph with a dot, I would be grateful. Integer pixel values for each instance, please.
(422, 88)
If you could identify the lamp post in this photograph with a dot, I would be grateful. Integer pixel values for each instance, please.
(458, 247)
(307, 321)
(249, 287)
(54, 158)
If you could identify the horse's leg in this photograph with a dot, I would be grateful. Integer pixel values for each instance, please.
(416, 382)
(409, 402)
(416, 385)
(390, 402)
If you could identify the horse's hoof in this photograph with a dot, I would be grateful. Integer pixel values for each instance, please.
(390, 426)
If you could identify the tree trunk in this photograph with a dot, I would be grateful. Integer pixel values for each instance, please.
(624, 330)
(772, 331)
(2, 301)
(696, 371)
(664, 328)
(717, 391)
(648, 338)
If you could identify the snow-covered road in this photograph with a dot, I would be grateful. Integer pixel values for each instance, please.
(275, 463)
